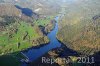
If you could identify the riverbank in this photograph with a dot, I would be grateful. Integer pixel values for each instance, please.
(63, 56)
(53, 48)
(60, 53)
(27, 36)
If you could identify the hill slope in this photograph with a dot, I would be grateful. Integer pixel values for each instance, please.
(80, 27)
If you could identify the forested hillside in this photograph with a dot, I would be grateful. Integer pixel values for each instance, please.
(80, 27)
(21, 28)
(39, 6)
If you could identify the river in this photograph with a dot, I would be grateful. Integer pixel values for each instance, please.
(35, 53)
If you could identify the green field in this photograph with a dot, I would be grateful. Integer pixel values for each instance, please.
(10, 40)
(17, 37)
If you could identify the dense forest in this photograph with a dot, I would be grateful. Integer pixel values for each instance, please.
(80, 27)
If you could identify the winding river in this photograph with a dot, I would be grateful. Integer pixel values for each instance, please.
(35, 53)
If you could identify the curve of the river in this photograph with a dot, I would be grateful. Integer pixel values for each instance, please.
(33, 53)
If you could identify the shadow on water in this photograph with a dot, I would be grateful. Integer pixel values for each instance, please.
(26, 11)
(96, 59)
(34, 53)
(35, 47)
(67, 51)
(11, 59)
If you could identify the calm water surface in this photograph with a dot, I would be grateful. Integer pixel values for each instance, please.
(33, 54)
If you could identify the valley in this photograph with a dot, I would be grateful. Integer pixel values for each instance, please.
(49, 33)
